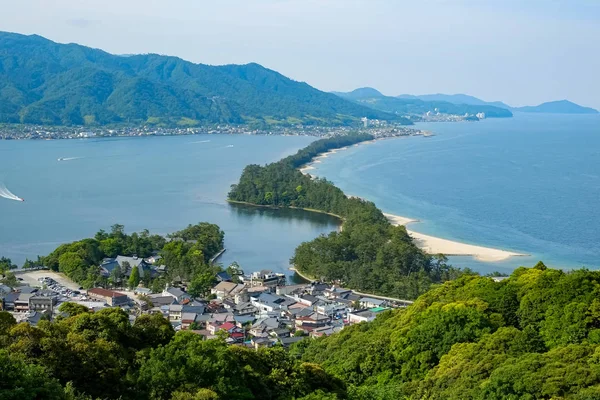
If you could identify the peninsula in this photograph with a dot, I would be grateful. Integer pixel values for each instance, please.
(369, 254)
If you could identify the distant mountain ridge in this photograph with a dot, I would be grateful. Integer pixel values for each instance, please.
(556, 107)
(456, 99)
(44, 82)
(415, 105)
(360, 93)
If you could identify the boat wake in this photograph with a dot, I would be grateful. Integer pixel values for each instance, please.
(229, 145)
(69, 158)
(201, 141)
(7, 194)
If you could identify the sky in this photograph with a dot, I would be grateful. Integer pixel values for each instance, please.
(522, 52)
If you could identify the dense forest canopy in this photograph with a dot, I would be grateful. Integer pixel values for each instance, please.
(534, 335)
(43, 82)
(369, 254)
(102, 356)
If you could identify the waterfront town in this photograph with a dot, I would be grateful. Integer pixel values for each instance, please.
(255, 310)
(377, 128)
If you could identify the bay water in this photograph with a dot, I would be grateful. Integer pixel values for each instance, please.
(530, 184)
(159, 183)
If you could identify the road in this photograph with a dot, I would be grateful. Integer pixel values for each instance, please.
(406, 302)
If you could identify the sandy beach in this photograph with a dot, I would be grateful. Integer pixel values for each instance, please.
(430, 244)
(319, 159)
(435, 245)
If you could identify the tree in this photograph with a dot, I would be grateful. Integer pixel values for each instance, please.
(134, 278)
(10, 279)
(116, 276)
(6, 264)
(7, 321)
(153, 330)
(101, 235)
(73, 309)
(22, 381)
(29, 264)
(94, 278)
(111, 247)
(201, 394)
(234, 271)
(269, 197)
(117, 231)
(201, 284)
(72, 264)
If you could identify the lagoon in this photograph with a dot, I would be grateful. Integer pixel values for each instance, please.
(159, 183)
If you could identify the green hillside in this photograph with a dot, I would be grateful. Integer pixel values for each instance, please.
(43, 82)
(535, 335)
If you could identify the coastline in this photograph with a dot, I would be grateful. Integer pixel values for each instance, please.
(319, 159)
(436, 245)
(245, 203)
(428, 243)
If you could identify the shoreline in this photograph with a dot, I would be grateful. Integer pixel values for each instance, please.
(245, 203)
(428, 243)
(319, 159)
(437, 245)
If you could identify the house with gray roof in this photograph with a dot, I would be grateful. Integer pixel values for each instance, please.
(5, 289)
(267, 302)
(144, 268)
(176, 293)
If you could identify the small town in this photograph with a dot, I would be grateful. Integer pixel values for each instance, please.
(377, 128)
(254, 310)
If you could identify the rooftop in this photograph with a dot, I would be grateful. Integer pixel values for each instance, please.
(105, 292)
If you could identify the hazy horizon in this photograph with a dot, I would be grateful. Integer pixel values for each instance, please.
(521, 53)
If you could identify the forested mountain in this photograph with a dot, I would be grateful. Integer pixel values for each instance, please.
(405, 105)
(44, 82)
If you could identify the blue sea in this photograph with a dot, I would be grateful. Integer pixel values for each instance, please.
(530, 184)
(159, 183)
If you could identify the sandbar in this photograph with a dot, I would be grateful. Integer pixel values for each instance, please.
(427, 243)
(436, 245)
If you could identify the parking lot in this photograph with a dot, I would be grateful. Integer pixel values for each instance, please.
(32, 278)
